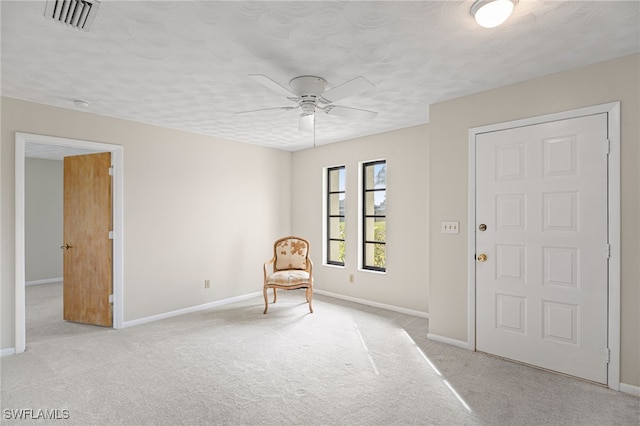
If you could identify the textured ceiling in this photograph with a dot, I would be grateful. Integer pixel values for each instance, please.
(53, 152)
(185, 64)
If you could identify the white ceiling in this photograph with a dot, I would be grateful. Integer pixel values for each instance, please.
(185, 64)
(53, 152)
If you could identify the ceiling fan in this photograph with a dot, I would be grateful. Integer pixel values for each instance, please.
(310, 94)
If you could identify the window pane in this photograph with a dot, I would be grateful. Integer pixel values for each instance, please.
(369, 177)
(375, 203)
(380, 175)
(336, 252)
(336, 204)
(375, 255)
(369, 229)
(380, 202)
(336, 228)
(380, 226)
(336, 179)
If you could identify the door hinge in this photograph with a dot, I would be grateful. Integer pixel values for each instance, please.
(607, 251)
(111, 235)
(607, 355)
(111, 298)
(111, 171)
(607, 147)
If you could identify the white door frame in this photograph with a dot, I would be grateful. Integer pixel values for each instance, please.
(118, 259)
(613, 111)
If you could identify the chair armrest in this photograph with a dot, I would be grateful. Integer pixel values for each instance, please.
(266, 269)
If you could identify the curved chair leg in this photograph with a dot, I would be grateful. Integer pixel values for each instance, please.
(275, 295)
(266, 299)
(310, 298)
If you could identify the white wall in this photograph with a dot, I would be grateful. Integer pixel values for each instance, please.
(615, 80)
(43, 219)
(405, 284)
(195, 208)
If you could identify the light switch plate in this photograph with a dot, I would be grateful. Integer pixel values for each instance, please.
(450, 227)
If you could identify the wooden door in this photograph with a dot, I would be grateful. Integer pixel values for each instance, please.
(541, 222)
(88, 271)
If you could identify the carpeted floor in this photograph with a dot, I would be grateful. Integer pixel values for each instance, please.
(346, 364)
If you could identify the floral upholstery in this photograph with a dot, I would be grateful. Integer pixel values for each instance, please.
(291, 253)
(288, 278)
(289, 269)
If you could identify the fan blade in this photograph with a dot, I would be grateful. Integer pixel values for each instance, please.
(306, 122)
(286, 108)
(270, 84)
(351, 87)
(347, 112)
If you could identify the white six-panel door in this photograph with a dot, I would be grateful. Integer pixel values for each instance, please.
(541, 198)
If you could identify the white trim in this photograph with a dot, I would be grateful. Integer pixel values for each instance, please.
(45, 281)
(630, 389)
(190, 309)
(471, 247)
(21, 139)
(7, 352)
(117, 161)
(613, 113)
(613, 110)
(20, 338)
(374, 304)
(448, 340)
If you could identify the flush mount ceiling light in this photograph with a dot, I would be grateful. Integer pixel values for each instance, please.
(491, 13)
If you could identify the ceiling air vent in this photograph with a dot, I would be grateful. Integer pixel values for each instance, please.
(79, 14)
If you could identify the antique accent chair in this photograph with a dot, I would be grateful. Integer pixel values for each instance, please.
(290, 268)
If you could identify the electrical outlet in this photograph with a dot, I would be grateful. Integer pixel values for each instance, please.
(450, 227)
(207, 283)
(352, 278)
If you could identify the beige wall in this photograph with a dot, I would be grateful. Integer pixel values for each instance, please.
(199, 207)
(195, 208)
(43, 219)
(616, 80)
(405, 284)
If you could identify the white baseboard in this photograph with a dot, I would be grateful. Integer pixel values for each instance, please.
(448, 340)
(630, 389)
(374, 304)
(7, 352)
(188, 310)
(46, 281)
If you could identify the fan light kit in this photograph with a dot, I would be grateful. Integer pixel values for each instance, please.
(310, 94)
(491, 13)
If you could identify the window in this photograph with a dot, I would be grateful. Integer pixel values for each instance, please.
(374, 203)
(335, 215)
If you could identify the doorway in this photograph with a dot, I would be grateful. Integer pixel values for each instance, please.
(544, 242)
(63, 146)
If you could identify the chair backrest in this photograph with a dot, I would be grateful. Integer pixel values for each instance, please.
(291, 253)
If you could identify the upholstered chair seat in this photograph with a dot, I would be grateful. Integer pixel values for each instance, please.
(289, 268)
(288, 278)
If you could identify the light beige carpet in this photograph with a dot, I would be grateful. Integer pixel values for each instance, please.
(346, 364)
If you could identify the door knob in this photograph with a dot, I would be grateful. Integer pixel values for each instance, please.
(65, 247)
(482, 257)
